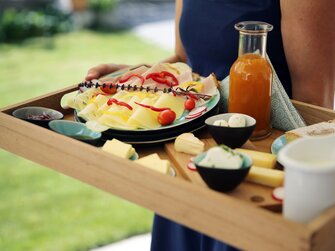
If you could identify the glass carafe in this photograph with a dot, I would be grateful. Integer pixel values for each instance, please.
(251, 77)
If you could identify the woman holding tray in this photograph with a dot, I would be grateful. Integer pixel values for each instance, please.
(300, 47)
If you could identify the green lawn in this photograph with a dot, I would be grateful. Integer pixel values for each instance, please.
(41, 209)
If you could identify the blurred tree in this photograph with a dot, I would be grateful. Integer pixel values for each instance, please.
(99, 7)
(24, 4)
(79, 5)
(17, 24)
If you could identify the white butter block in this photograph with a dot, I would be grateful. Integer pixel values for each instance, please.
(266, 176)
(154, 162)
(261, 159)
(118, 148)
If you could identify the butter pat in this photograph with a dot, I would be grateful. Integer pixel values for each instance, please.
(266, 160)
(154, 162)
(118, 148)
(188, 143)
(265, 176)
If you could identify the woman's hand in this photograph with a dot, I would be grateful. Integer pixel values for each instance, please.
(102, 69)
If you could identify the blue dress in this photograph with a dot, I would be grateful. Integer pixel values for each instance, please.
(211, 43)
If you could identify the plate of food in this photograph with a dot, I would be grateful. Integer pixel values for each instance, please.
(319, 129)
(147, 104)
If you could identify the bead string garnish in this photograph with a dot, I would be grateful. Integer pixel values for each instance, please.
(177, 91)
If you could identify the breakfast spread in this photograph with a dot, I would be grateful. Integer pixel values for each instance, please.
(222, 157)
(118, 148)
(144, 98)
(319, 129)
(188, 143)
(154, 162)
(158, 96)
(150, 98)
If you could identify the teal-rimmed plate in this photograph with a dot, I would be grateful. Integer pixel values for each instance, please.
(164, 133)
(210, 105)
(278, 144)
(134, 156)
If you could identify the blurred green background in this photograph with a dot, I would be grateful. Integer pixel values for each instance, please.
(40, 209)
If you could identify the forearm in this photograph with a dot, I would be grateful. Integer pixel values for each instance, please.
(173, 59)
(309, 48)
(180, 55)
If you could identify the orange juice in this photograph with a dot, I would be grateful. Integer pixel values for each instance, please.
(250, 91)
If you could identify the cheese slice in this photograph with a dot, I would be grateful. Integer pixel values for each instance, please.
(175, 103)
(266, 176)
(120, 94)
(100, 100)
(114, 118)
(154, 162)
(90, 112)
(145, 117)
(118, 148)
(188, 143)
(261, 159)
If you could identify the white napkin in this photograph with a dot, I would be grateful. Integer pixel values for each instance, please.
(284, 116)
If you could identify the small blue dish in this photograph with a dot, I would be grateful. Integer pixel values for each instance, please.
(278, 144)
(221, 179)
(75, 130)
(37, 115)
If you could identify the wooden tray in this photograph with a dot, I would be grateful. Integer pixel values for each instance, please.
(233, 217)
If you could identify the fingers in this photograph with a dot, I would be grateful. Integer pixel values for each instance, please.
(92, 74)
(100, 70)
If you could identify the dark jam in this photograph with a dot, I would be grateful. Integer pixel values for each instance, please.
(43, 116)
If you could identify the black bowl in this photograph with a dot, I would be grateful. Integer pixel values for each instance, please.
(38, 115)
(230, 136)
(220, 179)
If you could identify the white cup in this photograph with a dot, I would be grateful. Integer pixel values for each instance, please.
(309, 177)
